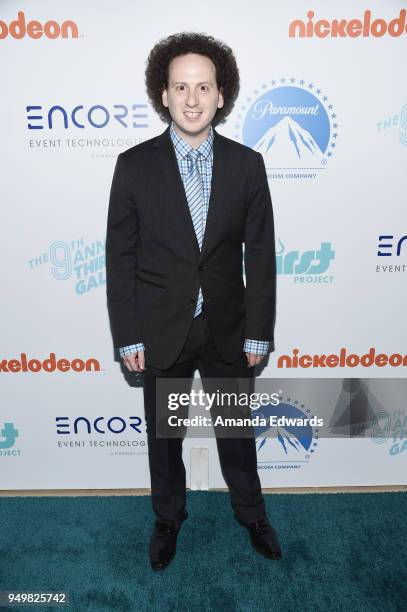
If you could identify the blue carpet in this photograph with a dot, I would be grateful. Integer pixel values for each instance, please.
(340, 552)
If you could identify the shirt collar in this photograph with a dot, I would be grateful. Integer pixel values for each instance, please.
(182, 148)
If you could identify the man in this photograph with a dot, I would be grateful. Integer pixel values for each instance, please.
(181, 206)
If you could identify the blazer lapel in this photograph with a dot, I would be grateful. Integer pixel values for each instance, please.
(220, 178)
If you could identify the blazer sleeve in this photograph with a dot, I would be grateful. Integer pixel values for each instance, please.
(260, 259)
(121, 259)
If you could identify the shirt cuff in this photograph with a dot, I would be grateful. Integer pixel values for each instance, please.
(131, 348)
(259, 347)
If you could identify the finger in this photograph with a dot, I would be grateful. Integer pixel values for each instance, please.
(250, 361)
(129, 363)
(126, 363)
(136, 364)
(137, 367)
(141, 361)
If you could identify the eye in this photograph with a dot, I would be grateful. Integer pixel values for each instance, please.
(204, 87)
(179, 87)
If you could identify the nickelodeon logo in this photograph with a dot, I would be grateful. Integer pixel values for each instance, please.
(343, 360)
(343, 28)
(34, 29)
(51, 364)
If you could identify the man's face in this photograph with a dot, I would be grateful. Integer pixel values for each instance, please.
(192, 95)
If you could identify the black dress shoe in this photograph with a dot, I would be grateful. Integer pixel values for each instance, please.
(163, 543)
(264, 538)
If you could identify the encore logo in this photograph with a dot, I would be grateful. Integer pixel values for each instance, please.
(34, 29)
(353, 28)
(51, 364)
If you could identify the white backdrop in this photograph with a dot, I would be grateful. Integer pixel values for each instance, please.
(337, 180)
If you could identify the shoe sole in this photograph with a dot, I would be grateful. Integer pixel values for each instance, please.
(264, 554)
(160, 569)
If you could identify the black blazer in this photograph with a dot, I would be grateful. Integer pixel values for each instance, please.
(154, 267)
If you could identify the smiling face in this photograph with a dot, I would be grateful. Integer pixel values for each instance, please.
(192, 96)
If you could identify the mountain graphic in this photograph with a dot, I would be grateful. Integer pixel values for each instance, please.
(288, 144)
(285, 445)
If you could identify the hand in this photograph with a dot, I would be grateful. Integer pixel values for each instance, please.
(253, 359)
(134, 362)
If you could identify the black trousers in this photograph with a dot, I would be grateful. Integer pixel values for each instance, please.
(237, 456)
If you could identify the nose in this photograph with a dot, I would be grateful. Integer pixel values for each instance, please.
(192, 99)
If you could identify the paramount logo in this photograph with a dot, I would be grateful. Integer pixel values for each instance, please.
(352, 28)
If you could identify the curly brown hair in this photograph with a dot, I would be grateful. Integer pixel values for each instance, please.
(158, 61)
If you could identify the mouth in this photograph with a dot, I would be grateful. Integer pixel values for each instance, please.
(192, 115)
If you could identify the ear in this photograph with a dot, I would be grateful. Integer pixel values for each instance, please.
(164, 98)
(221, 100)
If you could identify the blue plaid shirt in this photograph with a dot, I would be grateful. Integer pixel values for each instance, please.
(205, 163)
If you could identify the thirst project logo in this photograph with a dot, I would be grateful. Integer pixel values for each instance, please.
(8, 436)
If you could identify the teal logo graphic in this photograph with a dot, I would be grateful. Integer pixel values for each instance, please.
(308, 262)
(360, 412)
(395, 121)
(293, 125)
(78, 261)
(390, 428)
(8, 435)
(305, 267)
